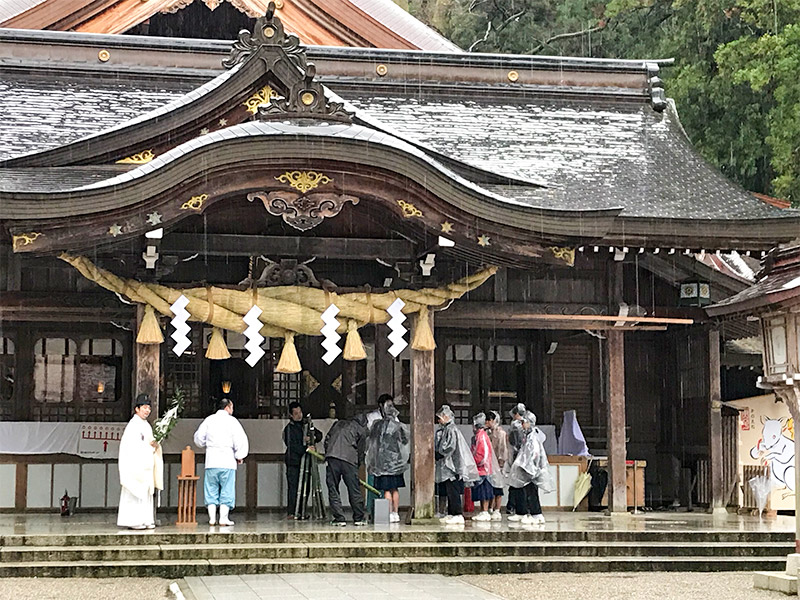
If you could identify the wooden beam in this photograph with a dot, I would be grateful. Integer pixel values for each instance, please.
(287, 246)
(471, 324)
(521, 312)
(384, 368)
(422, 430)
(617, 452)
(605, 319)
(615, 407)
(715, 424)
(147, 370)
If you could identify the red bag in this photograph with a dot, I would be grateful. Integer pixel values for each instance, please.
(469, 505)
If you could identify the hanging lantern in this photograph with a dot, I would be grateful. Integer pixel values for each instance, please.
(695, 292)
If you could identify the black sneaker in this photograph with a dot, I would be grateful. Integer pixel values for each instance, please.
(339, 523)
(360, 523)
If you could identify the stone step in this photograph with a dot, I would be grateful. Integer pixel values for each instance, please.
(387, 550)
(442, 565)
(410, 535)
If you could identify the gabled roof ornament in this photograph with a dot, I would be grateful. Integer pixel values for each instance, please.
(299, 95)
(306, 98)
(267, 32)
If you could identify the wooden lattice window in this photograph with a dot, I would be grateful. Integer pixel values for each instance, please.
(73, 382)
(478, 377)
(185, 372)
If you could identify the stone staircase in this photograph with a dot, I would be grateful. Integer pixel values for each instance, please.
(414, 549)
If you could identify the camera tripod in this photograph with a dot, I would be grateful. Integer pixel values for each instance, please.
(309, 485)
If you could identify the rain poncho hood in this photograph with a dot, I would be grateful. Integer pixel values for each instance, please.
(479, 420)
(445, 411)
(530, 464)
(388, 445)
(454, 457)
(571, 440)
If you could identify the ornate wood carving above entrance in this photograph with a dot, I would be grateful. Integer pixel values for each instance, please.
(287, 272)
(302, 212)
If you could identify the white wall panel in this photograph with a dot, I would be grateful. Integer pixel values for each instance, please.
(8, 485)
(93, 485)
(65, 477)
(39, 478)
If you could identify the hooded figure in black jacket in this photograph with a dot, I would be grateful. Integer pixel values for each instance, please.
(296, 444)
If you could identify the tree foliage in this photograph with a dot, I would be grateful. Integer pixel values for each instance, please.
(736, 77)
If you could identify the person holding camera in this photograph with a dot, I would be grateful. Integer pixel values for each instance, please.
(296, 443)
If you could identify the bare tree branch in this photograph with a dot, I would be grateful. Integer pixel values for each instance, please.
(513, 17)
(475, 4)
(564, 36)
(483, 39)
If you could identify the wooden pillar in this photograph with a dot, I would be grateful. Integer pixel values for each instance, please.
(422, 428)
(384, 364)
(715, 424)
(147, 367)
(21, 489)
(617, 493)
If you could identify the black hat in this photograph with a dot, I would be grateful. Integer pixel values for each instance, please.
(142, 400)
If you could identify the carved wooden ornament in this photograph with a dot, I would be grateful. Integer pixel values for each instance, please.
(302, 212)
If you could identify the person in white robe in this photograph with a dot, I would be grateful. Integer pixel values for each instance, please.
(141, 469)
(226, 445)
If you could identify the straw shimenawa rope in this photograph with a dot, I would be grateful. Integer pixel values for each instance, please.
(286, 309)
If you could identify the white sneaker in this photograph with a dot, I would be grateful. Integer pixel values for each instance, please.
(497, 516)
(394, 517)
(482, 516)
(528, 520)
(454, 520)
(513, 518)
(224, 521)
(539, 519)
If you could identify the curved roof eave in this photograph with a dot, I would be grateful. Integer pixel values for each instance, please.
(365, 147)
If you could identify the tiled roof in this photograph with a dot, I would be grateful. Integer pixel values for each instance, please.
(40, 113)
(592, 147)
(590, 155)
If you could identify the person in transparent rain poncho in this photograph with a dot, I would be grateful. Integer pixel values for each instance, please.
(388, 451)
(499, 439)
(530, 470)
(455, 466)
(485, 460)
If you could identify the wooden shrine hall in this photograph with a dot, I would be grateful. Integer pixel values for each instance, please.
(549, 228)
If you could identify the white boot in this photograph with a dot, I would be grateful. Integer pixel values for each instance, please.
(223, 515)
(212, 514)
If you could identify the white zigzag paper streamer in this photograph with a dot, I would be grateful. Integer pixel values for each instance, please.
(253, 335)
(331, 341)
(182, 342)
(396, 326)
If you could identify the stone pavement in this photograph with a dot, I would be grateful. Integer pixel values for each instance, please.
(331, 586)
(94, 523)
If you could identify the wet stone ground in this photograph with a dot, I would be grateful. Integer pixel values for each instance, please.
(605, 586)
(624, 586)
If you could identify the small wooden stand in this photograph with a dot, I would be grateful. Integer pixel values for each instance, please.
(187, 489)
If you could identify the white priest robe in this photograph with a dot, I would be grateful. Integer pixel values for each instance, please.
(141, 472)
